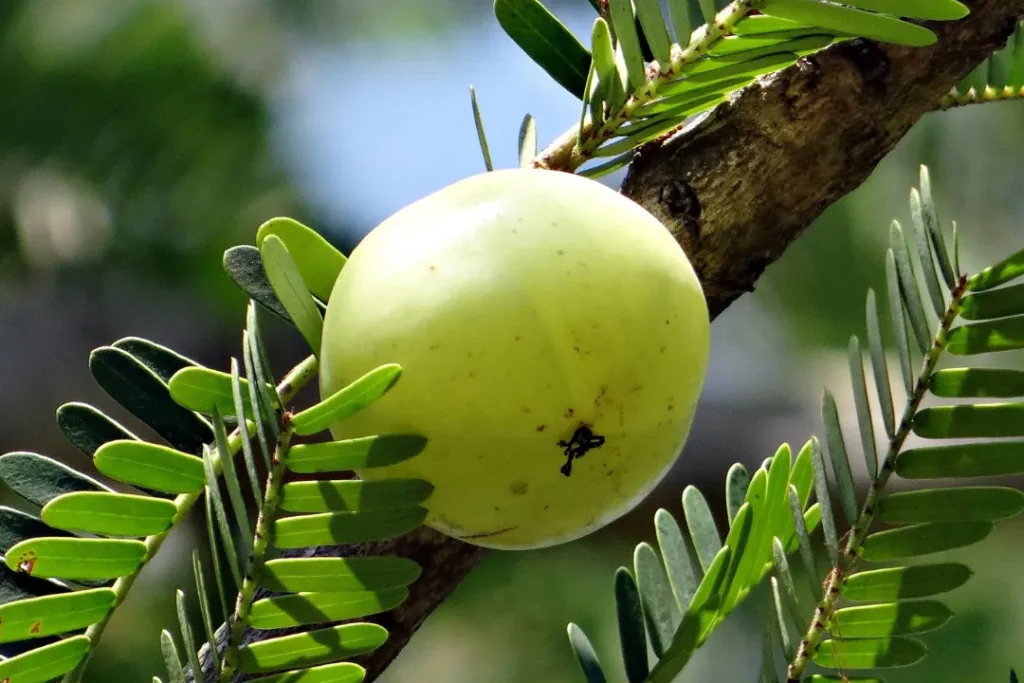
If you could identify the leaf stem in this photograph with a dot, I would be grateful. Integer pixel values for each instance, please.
(850, 553)
(566, 154)
(296, 378)
(254, 568)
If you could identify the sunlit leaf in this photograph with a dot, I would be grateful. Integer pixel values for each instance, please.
(317, 260)
(340, 672)
(736, 482)
(317, 608)
(354, 454)
(585, 655)
(291, 290)
(905, 583)
(546, 40)
(203, 389)
(347, 401)
(962, 460)
(172, 660)
(353, 494)
(77, 558)
(961, 504)
(977, 383)
(1004, 334)
(345, 527)
(45, 663)
(922, 539)
(16, 526)
(481, 134)
(151, 465)
(1007, 270)
(624, 23)
(970, 421)
(310, 648)
(54, 614)
(111, 514)
(527, 142)
(893, 619)
(336, 574)
(653, 23)
(880, 27)
(869, 653)
(938, 10)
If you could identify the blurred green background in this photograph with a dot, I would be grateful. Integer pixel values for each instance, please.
(138, 139)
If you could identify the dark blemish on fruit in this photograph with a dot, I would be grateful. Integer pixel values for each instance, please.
(671, 406)
(518, 338)
(472, 375)
(433, 267)
(526, 409)
(434, 347)
(601, 394)
(666, 322)
(518, 488)
(582, 442)
(490, 533)
(561, 252)
(662, 349)
(570, 412)
(576, 349)
(541, 428)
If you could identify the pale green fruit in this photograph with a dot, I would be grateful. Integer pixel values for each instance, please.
(525, 307)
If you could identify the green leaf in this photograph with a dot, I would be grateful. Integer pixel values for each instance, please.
(186, 631)
(682, 568)
(317, 260)
(922, 539)
(737, 480)
(977, 383)
(938, 10)
(659, 607)
(172, 660)
(931, 222)
(1007, 270)
(849, 21)
(204, 608)
(546, 41)
(234, 559)
(88, 428)
(880, 653)
(926, 256)
(244, 266)
(604, 169)
(893, 619)
(605, 65)
(962, 460)
(679, 10)
(585, 655)
(151, 465)
(527, 142)
(828, 524)
(16, 526)
(261, 375)
(838, 456)
(645, 131)
(310, 648)
(348, 401)
(341, 672)
(1005, 334)
(780, 619)
(961, 504)
(741, 537)
(230, 476)
(905, 583)
(707, 9)
(998, 303)
(317, 608)
(203, 390)
(337, 574)
(345, 527)
(785, 579)
(352, 494)
(745, 65)
(909, 291)
(684, 98)
(354, 454)
(862, 404)
(237, 402)
(215, 548)
(481, 134)
(146, 396)
(879, 366)
(77, 558)
(267, 413)
(804, 542)
(47, 662)
(702, 527)
(774, 42)
(899, 324)
(624, 23)
(753, 24)
(286, 279)
(970, 421)
(653, 24)
(111, 514)
(39, 479)
(54, 614)
(17, 586)
(164, 362)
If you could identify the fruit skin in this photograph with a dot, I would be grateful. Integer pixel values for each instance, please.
(523, 305)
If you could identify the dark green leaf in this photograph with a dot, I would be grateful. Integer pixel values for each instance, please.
(781, 628)
(237, 402)
(683, 569)
(624, 23)
(18, 586)
(353, 494)
(110, 514)
(354, 454)
(893, 619)
(970, 421)
(220, 516)
(77, 558)
(828, 524)
(546, 41)
(838, 456)
(146, 396)
(244, 266)
(317, 260)
(527, 142)
(660, 614)
(804, 543)
(1005, 271)
(653, 24)
(314, 647)
(481, 134)
(172, 660)
(702, 527)
(849, 21)
(736, 482)
(962, 504)
(881, 653)
(905, 583)
(679, 10)
(88, 428)
(346, 402)
(708, 10)
(341, 672)
(977, 383)
(345, 527)
(267, 413)
(47, 662)
(931, 222)
(909, 291)
(899, 324)
(337, 574)
(863, 406)
(300, 609)
(163, 361)
(204, 608)
(922, 539)
(39, 479)
(215, 548)
(1004, 334)
(962, 460)
(232, 484)
(291, 290)
(879, 366)
(926, 257)
(150, 465)
(997, 303)
(186, 631)
(17, 526)
(54, 614)
(631, 626)
(590, 666)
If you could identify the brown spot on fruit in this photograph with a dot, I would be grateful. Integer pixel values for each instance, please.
(541, 428)
(518, 488)
(570, 412)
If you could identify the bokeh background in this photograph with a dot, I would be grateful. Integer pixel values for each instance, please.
(140, 138)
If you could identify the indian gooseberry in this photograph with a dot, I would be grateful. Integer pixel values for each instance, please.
(553, 337)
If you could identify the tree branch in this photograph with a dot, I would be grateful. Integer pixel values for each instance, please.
(735, 190)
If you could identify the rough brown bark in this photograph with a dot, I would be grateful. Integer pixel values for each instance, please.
(737, 188)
